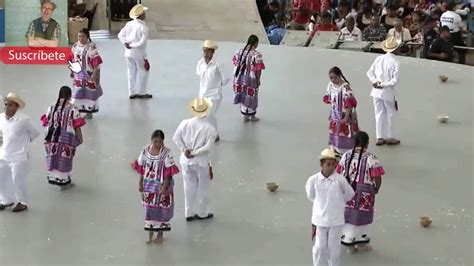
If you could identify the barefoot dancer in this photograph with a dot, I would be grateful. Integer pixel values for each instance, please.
(156, 168)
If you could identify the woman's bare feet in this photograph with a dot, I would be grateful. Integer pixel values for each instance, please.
(159, 238)
(150, 238)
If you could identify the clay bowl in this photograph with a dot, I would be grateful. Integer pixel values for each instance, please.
(425, 221)
(443, 78)
(272, 186)
(442, 118)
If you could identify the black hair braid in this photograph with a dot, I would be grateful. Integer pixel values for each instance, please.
(348, 165)
(54, 132)
(50, 118)
(252, 40)
(240, 68)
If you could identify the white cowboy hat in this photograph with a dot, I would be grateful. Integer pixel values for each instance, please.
(328, 154)
(12, 97)
(137, 11)
(390, 44)
(210, 45)
(200, 107)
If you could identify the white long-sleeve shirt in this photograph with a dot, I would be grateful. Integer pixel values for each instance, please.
(212, 79)
(329, 196)
(353, 36)
(197, 135)
(384, 70)
(452, 20)
(135, 33)
(403, 36)
(17, 133)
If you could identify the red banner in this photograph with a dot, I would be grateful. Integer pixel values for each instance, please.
(35, 55)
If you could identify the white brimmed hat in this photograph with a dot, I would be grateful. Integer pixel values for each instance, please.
(328, 154)
(200, 107)
(137, 11)
(12, 97)
(390, 44)
(210, 45)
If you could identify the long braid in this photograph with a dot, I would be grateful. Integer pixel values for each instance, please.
(50, 118)
(361, 141)
(53, 131)
(354, 183)
(344, 78)
(241, 67)
(348, 165)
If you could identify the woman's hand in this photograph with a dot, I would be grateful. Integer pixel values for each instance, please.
(345, 120)
(163, 189)
(140, 186)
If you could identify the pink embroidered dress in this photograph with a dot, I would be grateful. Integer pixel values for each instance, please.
(360, 172)
(85, 91)
(159, 209)
(61, 141)
(247, 64)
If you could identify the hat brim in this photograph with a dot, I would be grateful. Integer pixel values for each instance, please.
(327, 157)
(388, 50)
(134, 16)
(16, 100)
(214, 47)
(203, 113)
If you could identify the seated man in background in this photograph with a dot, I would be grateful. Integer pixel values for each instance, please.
(44, 31)
(375, 32)
(442, 48)
(351, 32)
(430, 33)
(326, 24)
(399, 32)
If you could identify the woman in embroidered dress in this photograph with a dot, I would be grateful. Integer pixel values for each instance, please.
(86, 84)
(248, 70)
(343, 117)
(63, 122)
(363, 171)
(156, 168)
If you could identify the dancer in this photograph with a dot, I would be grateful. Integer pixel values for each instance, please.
(64, 134)
(329, 192)
(212, 80)
(195, 138)
(135, 37)
(248, 70)
(16, 133)
(156, 168)
(383, 74)
(343, 117)
(364, 172)
(86, 88)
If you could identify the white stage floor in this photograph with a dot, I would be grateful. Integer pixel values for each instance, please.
(99, 221)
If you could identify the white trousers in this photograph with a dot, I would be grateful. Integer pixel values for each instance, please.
(196, 190)
(13, 177)
(327, 246)
(216, 103)
(137, 76)
(385, 112)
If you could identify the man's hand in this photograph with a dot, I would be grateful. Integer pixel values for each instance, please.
(127, 45)
(377, 85)
(188, 155)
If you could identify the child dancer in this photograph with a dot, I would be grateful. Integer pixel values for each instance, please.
(329, 192)
(364, 172)
(343, 117)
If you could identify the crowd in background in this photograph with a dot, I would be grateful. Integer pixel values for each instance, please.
(415, 23)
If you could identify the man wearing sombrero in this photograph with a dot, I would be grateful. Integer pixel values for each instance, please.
(195, 138)
(212, 79)
(383, 74)
(17, 133)
(135, 36)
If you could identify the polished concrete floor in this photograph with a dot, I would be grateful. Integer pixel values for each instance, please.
(99, 222)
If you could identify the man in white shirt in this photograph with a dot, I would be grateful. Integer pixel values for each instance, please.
(383, 74)
(400, 33)
(453, 21)
(212, 80)
(135, 37)
(351, 33)
(17, 133)
(195, 138)
(329, 193)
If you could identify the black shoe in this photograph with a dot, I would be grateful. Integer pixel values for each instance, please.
(145, 96)
(191, 218)
(209, 216)
(4, 206)
(133, 96)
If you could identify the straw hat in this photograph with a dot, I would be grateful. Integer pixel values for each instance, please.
(137, 11)
(390, 44)
(200, 107)
(210, 45)
(328, 154)
(12, 97)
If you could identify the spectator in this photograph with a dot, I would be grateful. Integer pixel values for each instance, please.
(351, 32)
(326, 24)
(364, 17)
(340, 14)
(431, 33)
(400, 33)
(375, 32)
(454, 22)
(268, 14)
(413, 23)
(302, 9)
(388, 20)
(442, 48)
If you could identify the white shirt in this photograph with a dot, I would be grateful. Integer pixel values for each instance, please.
(329, 196)
(354, 36)
(212, 79)
(452, 20)
(17, 133)
(135, 33)
(403, 36)
(384, 70)
(197, 135)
